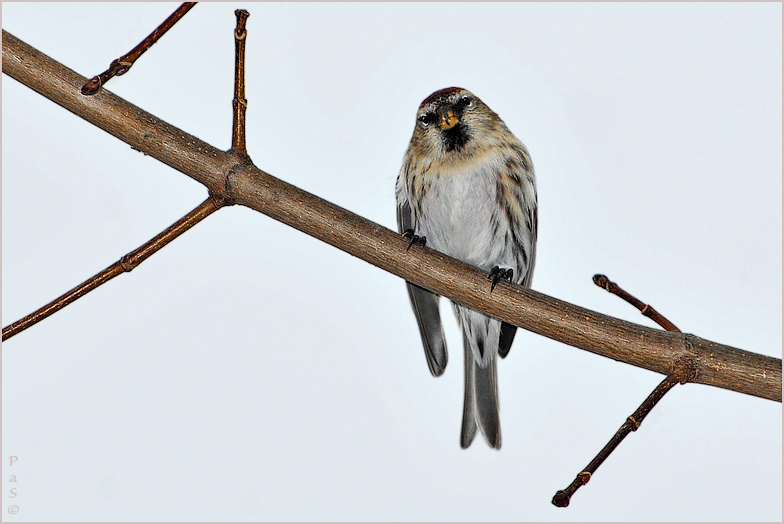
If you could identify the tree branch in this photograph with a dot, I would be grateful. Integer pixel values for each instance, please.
(682, 373)
(605, 283)
(240, 104)
(232, 176)
(121, 65)
(126, 264)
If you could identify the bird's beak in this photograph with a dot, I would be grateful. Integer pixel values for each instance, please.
(448, 119)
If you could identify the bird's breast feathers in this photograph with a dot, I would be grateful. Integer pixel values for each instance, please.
(459, 212)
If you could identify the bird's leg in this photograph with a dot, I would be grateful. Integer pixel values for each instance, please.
(413, 239)
(497, 273)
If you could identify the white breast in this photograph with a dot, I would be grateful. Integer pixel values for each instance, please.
(459, 213)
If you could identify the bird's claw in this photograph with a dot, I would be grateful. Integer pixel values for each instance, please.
(497, 273)
(413, 239)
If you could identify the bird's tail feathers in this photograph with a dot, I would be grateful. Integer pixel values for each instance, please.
(480, 406)
(481, 333)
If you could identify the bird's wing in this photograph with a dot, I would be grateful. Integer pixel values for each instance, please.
(425, 305)
(530, 208)
(507, 337)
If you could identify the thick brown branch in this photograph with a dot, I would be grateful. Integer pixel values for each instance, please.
(125, 264)
(121, 65)
(220, 171)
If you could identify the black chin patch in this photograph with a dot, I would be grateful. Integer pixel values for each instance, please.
(454, 139)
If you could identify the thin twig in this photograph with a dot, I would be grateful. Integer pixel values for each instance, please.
(125, 264)
(603, 282)
(124, 63)
(681, 375)
(240, 103)
(684, 371)
(717, 364)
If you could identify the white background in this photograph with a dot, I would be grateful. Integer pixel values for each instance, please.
(249, 372)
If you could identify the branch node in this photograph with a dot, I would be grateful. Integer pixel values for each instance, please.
(220, 199)
(123, 67)
(92, 85)
(127, 263)
(684, 368)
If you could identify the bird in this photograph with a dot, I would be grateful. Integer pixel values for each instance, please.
(467, 188)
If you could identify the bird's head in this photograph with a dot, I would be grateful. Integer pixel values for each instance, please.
(452, 122)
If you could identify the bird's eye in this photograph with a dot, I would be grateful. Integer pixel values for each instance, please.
(427, 119)
(463, 102)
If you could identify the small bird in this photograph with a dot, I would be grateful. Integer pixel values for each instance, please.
(467, 188)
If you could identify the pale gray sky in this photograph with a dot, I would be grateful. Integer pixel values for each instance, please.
(249, 372)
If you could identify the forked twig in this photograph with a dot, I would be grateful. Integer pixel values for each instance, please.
(205, 209)
(683, 372)
(121, 65)
(125, 264)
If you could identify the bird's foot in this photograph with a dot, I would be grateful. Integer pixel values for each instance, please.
(497, 273)
(413, 239)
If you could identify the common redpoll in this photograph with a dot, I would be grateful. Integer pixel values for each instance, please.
(467, 188)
